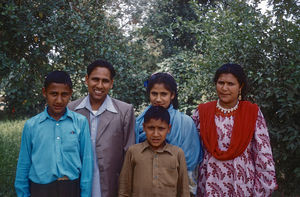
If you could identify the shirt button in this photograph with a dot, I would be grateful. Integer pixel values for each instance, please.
(57, 124)
(57, 137)
(155, 177)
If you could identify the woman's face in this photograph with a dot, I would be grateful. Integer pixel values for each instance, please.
(228, 89)
(160, 96)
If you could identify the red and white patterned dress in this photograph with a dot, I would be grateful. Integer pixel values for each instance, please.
(250, 174)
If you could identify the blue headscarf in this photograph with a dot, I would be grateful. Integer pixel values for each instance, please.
(183, 134)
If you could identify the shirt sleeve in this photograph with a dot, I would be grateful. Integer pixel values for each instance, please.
(86, 155)
(125, 179)
(265, 179)
(24, 164)
(129, 133)
(183, 182)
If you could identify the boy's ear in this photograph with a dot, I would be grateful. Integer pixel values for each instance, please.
(44, 91)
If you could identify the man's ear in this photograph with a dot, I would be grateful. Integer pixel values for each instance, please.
(86, 79)
(112, 84)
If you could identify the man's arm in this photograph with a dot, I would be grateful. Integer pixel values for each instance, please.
(24, 164)
(129, 134)
(86, 155)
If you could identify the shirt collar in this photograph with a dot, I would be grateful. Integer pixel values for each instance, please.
(166, 148)
(106, 105)
(84, 103)
(109, 105)
(45, 115)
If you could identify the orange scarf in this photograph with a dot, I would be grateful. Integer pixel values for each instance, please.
(242, 132)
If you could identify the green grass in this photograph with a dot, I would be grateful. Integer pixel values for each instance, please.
(10, 139)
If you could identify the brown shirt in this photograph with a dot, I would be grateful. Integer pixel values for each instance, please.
(151, 173)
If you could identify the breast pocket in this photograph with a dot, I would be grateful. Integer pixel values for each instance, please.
(70, 142)
(169, 173)
(169, 177)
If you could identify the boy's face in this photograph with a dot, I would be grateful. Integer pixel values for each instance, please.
(156, 132)
(57, 96)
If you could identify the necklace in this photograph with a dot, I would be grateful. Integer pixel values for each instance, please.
(227, 110)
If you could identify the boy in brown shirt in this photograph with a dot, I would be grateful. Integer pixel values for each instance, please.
(154, 168)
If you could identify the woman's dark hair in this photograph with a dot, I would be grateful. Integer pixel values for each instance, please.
(238, 72)
(169, 83)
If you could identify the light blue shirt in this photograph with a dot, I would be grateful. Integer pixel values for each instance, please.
(94, 120)
(51, 149)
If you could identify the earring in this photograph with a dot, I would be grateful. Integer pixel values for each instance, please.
(240, 96)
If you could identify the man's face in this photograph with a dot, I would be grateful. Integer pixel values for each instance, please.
(99, 83)
(156, 132)
(57, 96)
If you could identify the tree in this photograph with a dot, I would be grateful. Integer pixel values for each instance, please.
(39, 36)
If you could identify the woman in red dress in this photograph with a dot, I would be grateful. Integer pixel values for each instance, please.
(238, 158)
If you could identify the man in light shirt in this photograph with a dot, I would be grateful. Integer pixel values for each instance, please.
(111, 124)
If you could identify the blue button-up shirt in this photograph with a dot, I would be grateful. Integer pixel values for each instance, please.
(94, 120)
(51, 149)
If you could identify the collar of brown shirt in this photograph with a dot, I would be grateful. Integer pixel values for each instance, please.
(166, 148)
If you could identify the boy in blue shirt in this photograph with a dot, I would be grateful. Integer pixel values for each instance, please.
(56, 158)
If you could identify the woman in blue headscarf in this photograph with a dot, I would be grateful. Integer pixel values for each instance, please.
(162, 91)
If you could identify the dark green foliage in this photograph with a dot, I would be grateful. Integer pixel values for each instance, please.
(40, 36)
(278, 93)
(166, 27)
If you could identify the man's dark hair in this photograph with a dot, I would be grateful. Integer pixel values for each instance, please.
(157, 113)
(101, 63)
(58, 77)
(238, 72)
(169, 83)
